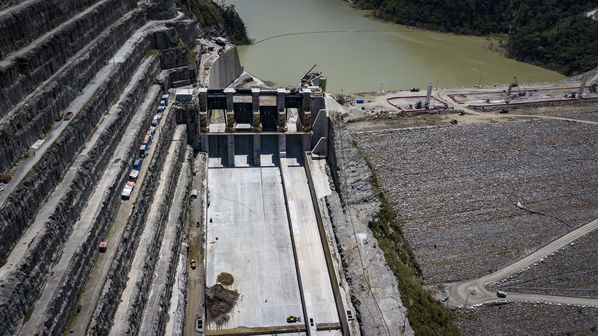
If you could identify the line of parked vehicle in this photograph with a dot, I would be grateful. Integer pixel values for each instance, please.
(144, 149)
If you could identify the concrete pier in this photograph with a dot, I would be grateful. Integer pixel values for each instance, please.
(230, 145)
(257, 149)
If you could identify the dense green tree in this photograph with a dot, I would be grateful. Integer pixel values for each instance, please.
(222, 18)
(552, 33)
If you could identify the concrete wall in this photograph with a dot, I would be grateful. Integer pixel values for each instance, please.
(225, 69)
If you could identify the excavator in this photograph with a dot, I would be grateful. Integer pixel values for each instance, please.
(293, 319)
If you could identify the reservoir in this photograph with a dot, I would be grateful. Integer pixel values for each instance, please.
(359, 54)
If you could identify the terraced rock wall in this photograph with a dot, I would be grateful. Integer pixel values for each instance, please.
(26, 123)
(119, 270)
(80, 266)
(23, 284)
(30, 66)
(23, 24)
(24, 202)
(166, 291)
(141, 290)
(162, 9)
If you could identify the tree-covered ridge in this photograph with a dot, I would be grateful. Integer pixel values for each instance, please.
(224, 18)
(552, 33)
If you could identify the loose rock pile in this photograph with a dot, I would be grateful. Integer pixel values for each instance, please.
(525, 319)
(570, 272)
(220, 301)
(456, 188)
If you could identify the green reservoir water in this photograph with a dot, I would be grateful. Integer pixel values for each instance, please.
(360, 54)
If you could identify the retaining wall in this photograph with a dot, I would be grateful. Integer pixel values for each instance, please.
(225, 69)
(26, 123)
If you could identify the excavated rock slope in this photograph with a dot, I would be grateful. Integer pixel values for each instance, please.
(375, 293)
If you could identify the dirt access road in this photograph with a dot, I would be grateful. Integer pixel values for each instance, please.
(444, 96)
(474, 292)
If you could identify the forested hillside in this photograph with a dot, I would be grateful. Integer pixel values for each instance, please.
(555, 34)
(217, 17)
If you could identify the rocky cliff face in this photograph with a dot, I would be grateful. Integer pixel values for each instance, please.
(117, 276)
(161, 9)
(23, 205)
(27, 121)
(25, 278)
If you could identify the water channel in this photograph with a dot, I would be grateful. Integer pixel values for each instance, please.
(358, 53)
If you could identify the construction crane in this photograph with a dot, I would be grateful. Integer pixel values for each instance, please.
(304, 76)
